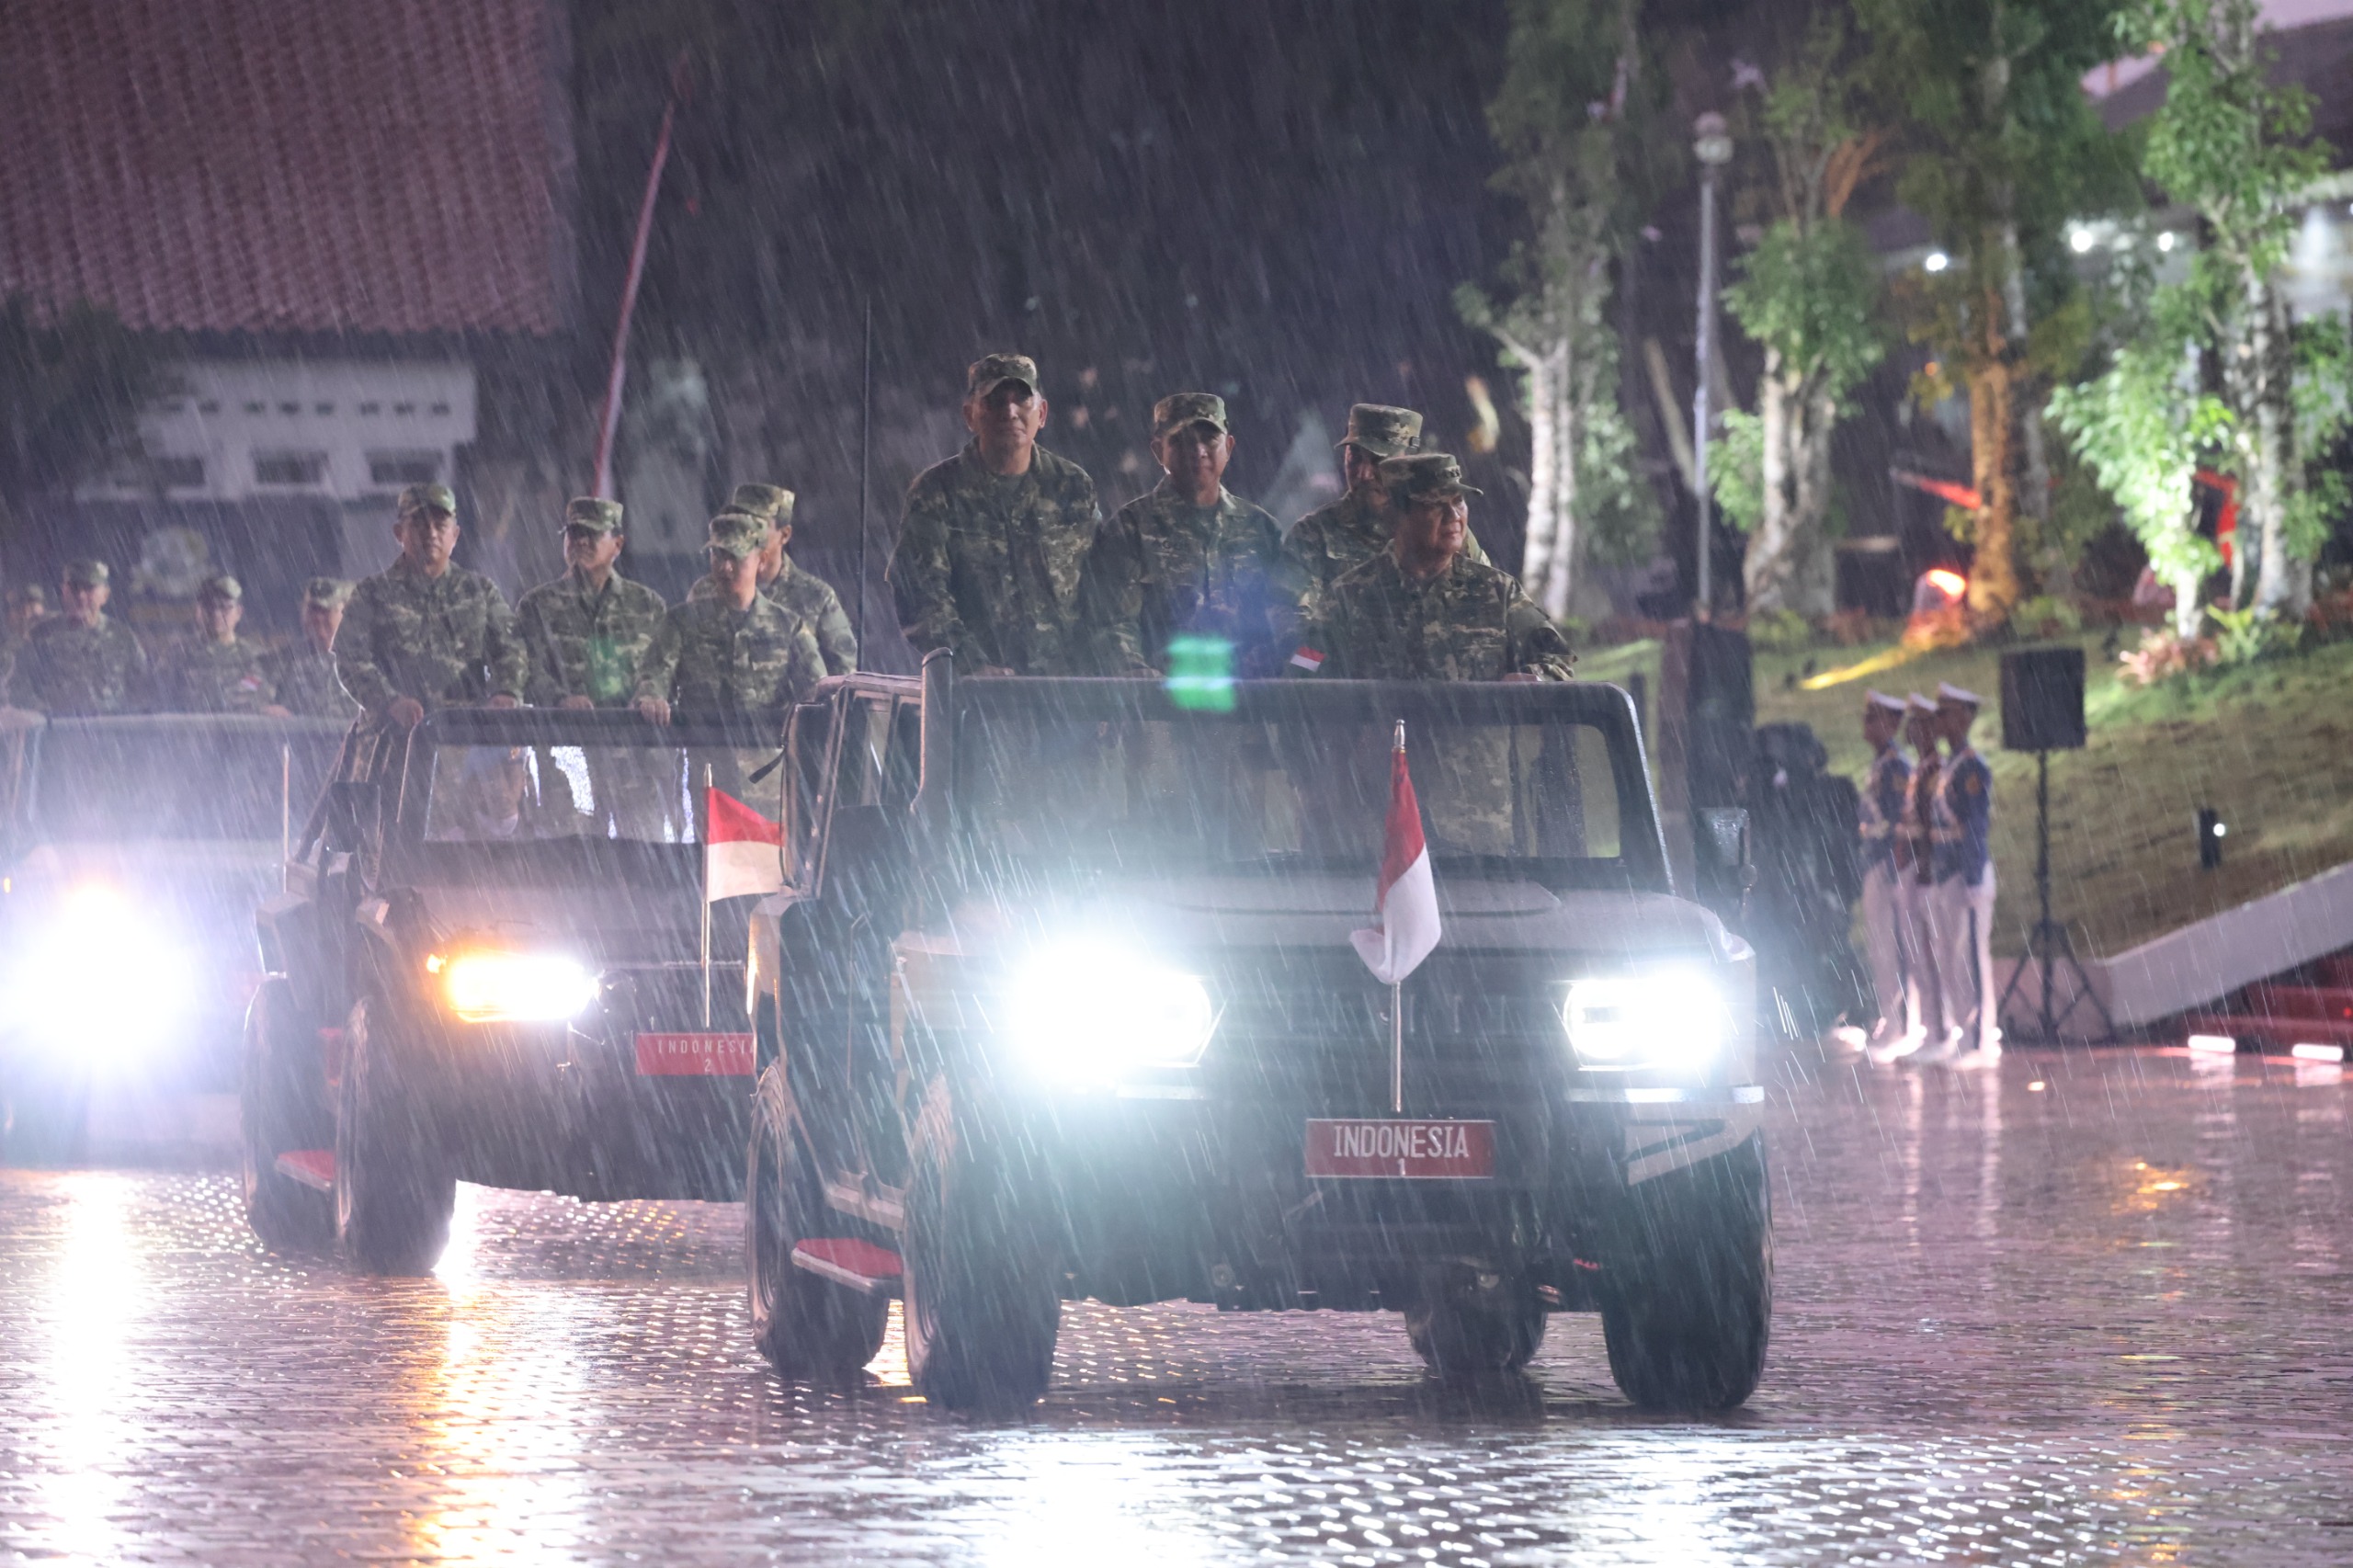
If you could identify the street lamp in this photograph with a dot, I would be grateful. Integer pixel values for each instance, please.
(1712, 145)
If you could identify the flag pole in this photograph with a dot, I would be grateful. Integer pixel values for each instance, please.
(1396, 1001)
(865, 468)
(706, 895)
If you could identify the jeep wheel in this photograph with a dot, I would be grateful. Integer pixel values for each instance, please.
(981, 1310)
(1470, 1325)
(810, 1329)
(393, 1195)
(282, 1106)
(1686, 1314)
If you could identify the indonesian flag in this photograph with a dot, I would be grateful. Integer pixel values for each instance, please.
(743, 852)
(1405, 905)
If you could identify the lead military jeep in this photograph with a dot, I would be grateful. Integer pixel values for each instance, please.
(1062, 1002)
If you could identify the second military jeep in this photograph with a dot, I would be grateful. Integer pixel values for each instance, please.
(1062, 1002)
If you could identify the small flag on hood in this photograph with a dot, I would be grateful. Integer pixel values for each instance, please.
(1405, 903)
(743, 852)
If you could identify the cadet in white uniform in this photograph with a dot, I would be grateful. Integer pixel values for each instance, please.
(1881, 814)
(1963, 908)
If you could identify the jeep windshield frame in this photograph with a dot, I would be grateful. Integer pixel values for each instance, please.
(157, 777)
(421, 847)
(1022, 734)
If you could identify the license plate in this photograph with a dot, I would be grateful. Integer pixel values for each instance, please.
(694, 1056)
(1417, 1151)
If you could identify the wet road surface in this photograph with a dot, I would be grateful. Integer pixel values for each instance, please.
(2091, 1308)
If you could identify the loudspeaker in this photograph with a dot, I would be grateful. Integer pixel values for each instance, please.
(2043, 700)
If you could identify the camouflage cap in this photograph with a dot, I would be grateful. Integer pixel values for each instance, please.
(1178, 410)
(593, 512)
(993, 370)
(738, 533)
(769, 503)
(86, 573)
(28, 593)
(327, 593)
(220, 586)
(1419, 476)
(427, 499)
(1383, 431)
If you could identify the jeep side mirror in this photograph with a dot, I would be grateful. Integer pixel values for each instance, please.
(352, 809)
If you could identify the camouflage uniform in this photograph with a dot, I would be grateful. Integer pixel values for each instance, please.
(584, 642)
(710, 657)
(68, 669)
(440, 640)
(218, 677)
(989, 564)
(1334, 539)
(1468, 622)
(306, 683)
(813, 600)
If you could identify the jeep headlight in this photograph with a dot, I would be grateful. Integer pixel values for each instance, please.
(1091, 1012)
(487, 986)
(1673, 1018)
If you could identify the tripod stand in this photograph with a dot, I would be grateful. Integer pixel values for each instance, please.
(2049, 945)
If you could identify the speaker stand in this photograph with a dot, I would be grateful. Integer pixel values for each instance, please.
(2048, 944)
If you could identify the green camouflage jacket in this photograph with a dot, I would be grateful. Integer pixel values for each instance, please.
(443, 640)
(1332, 540)
(586, 644)
(307, 685)
(990, 566)
(67, 669)
(1470, 622)
(709, 657)
(1165, 567)
(814, 600)
(205, 676)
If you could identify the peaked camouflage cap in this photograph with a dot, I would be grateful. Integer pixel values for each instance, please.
(769, 503)
(738, 533)
(222, 587)
(1420, 476)
(993, 370)
(28, 593)
(593, 512)
(1383, 431)
(86, 573)
(327, 593)
(1178, 410)
(427, 499)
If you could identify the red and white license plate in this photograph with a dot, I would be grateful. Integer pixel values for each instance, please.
(1417, 1151)
(694, 1056)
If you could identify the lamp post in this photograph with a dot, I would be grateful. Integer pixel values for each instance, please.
(1711, 144)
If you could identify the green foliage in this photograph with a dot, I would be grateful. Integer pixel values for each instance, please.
(2043, 616)
(2245, 636)
(1781, 631)
(71, 391)
(1806, 292)
(2322, 392)
(1736, 469)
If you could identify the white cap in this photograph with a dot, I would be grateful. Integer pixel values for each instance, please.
(1948, 692)
(1919, 704)
(1881, 699)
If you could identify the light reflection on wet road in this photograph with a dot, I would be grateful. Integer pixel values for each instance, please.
(2103, 1319)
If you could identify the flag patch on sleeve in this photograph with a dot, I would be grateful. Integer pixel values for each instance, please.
(1307, 659)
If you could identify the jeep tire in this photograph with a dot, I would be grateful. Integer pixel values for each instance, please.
(981, 1308)
(1687, 1308)
(393, 1193)
(810, 1329)
(281, 1106)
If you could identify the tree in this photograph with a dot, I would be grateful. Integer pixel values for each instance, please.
(1805, 296)
(2000, 149)
(72, 385)
(1564, 118)
(2237, 152)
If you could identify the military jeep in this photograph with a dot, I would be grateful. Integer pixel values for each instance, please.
(491, 964)
(1062, 1003)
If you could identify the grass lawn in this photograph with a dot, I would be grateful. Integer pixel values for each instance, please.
(2268, 745)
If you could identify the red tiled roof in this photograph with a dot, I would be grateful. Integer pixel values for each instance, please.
(287, 165)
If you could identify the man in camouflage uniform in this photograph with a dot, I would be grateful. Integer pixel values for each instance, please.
(1423, 609)
(735, 651)
(219, 672)
(82, 662)
(27, 608)
(804, 593)
(1353, 530)
(303, 672)
(424, 633)
(1192, 558)
(586, 632)
(995, 539)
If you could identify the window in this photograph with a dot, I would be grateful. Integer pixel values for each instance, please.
(177, 474)
(404, 468)
(290, 469)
